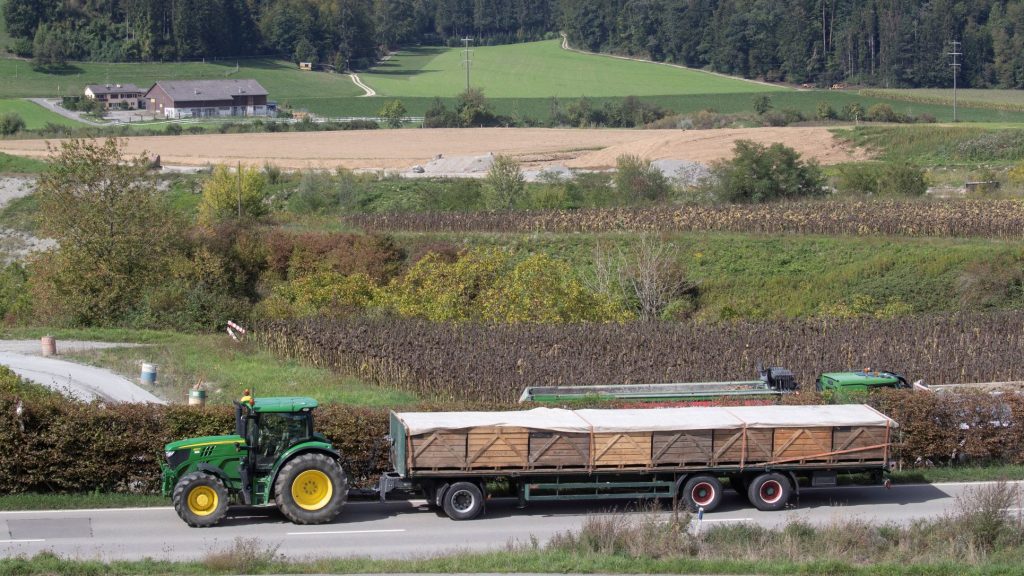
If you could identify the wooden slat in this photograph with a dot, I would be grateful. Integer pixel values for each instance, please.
(759, 445)
(682, 448)
(498, 447)
(851, 438)
(814, 443)
(557, 449)
(440, 449)
(626, 449)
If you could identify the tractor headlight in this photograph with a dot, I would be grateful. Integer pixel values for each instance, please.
(176, 457)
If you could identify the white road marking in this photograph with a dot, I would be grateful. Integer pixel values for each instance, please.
(343, 532)
(727, 520)
(22, 541)
(86, 510)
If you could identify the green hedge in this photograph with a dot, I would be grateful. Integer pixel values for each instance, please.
(57, 445)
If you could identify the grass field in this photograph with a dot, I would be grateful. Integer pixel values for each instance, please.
(940, 145)
(18, 79)
(994, 99)
(540, 108)
(540, 70)
(34, 115)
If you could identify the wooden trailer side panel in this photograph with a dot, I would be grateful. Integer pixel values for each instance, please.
(743, 446)
(498, 447)
(688, 448)
(803, 444)
(440, 450)
(859, 443)
(620, 450)
(559, 450)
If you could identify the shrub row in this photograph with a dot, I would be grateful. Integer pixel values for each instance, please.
(61, 446)
(957, 218)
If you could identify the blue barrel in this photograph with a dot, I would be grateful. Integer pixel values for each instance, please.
(148, 374)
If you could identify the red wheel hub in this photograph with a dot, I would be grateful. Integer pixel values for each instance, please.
(771, 492)
(703, 494)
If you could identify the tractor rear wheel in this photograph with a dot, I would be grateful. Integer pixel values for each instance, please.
(311, 489)
(200, 499)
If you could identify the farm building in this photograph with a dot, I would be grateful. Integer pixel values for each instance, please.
(115, 95)
(198, 98)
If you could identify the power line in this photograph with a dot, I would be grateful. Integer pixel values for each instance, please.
(956, 69)
(467, 58)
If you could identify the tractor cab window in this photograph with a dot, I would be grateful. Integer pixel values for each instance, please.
(278, 432)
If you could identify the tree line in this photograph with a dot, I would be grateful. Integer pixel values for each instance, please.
(876, 42)
(338, 33)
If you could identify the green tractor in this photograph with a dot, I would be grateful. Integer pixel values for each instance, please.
(274, 456)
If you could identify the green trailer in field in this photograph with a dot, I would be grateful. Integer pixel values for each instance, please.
(772, 383)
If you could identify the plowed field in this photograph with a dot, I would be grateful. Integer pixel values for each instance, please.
(400, 149)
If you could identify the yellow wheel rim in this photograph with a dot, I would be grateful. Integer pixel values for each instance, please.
(202, 500)
(312, 490)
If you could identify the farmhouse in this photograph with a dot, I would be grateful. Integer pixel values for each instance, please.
(115, 95)
(198, 98)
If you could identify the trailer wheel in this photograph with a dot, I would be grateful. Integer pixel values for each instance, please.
(770, 491)
(702, 491)
(311, 489)
(200, 499)
(463, 501)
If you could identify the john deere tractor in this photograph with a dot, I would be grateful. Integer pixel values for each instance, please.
(274, 456)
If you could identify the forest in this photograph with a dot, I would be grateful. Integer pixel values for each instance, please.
(891, 43)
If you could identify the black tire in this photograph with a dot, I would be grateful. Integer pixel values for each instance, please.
(701, 491)
(311, 489)
(200, 499)
(463, 501)
(770, 492)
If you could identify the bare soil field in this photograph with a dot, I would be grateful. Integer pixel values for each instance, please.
(401, 149)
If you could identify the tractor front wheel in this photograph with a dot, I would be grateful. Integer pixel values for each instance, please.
(311, 489)
(200, 499)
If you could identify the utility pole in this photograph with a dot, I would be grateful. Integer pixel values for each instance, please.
(239, 171)
(956, 68)
(467, 58)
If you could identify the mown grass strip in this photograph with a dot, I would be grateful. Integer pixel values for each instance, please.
(552, 562)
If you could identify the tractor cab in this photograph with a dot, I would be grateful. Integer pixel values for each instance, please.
(274, 456)
(270, 426)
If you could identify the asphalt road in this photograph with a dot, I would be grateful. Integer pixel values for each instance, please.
(408, 528)
(78, 381)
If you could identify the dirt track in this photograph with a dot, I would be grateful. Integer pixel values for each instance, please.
(398, 150)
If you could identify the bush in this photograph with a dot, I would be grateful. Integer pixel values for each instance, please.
(636, 180)
(291, 256)
(825, 111)
(233, 195)
(504, 184)
(882, 113)
(326, 294)
(891, 179)
(11, 123)
(491, 285)
(759, 174)
(762, 104)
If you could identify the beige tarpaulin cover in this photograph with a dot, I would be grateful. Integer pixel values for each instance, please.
(650, 419)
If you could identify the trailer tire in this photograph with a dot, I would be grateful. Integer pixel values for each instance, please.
(702, 491)
(200, 499)
(311, 489)
(770, 491)
(463, 501)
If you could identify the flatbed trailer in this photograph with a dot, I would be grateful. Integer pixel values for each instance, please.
(772, 384)
(675, 453)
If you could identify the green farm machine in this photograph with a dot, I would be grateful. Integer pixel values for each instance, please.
(274, 456)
